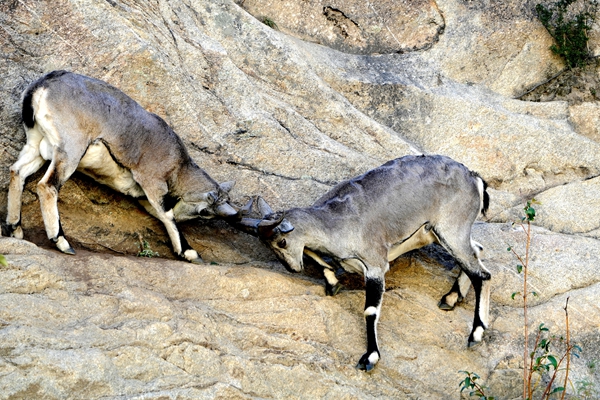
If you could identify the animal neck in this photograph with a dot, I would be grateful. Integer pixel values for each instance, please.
(313, 228)
(191, 181)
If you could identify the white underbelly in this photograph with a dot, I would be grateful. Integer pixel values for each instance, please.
(422, 237)
(98, 164)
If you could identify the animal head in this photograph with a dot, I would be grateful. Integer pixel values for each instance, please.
(206, 205)
(277, 233)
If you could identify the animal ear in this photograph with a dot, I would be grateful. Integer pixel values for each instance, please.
(285, 226)
(227, 186)
(263, 207)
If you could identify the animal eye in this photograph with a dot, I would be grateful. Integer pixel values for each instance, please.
(282, 244)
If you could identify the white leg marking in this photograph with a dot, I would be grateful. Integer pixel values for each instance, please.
(48, 197)
(167, 219)
(330, 277)
(374, 358)
(478, 334)
(18, 233)
(29, 161)
(484, 303)
(316, 257)
(63, 245)
(191, 255)
(370, 311)
(464, 284)
(451, 299)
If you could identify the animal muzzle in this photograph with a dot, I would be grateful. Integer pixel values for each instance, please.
(289, 262)
(288, 268)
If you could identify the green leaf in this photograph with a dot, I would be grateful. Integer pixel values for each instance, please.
(558, 389)
(514, 294)
(519, 268)
(509, 248)
(530, 213)
(553, 360)
(3, 261)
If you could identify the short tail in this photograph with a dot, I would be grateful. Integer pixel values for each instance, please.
(484, 197)
(28, 113)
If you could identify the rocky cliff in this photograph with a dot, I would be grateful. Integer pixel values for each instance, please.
(289, 98)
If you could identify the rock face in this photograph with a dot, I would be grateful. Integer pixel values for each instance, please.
(355, 27)
(339, 88)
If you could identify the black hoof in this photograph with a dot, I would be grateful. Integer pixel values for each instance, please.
(69, 251)
(368, 361)
(476, 337)
(445, 306)
(332, 290)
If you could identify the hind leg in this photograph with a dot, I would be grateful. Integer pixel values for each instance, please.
(155, 205)
(29, 162)
(61, 168)
(457, 293)
(461, 286)
(466, 253)
(374, 289)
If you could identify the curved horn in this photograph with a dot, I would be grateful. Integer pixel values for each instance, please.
(248, 225)
(266, 228)
(263, 207)
(247, 208)
(226, 210)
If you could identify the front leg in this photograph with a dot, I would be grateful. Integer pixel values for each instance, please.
(375, 287)
(332, 285)
(180, 246)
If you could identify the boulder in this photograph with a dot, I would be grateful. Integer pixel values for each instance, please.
(97, 326)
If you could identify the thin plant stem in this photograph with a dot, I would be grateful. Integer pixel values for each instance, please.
(532, 356)
(568, 349)
(526, 374)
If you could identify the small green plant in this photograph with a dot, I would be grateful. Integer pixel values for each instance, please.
(585, 389)
(523, 268)
(269, 22)
(146, 251)
(476, 389)
(3, 261)
(569, 29)
(539, 363)
(542, 361)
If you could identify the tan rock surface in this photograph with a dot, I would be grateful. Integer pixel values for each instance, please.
(94, 326)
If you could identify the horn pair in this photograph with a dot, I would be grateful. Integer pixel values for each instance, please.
(264, 227)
